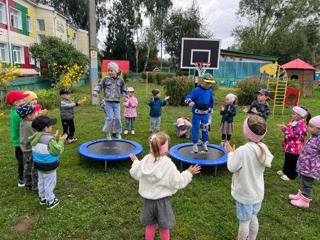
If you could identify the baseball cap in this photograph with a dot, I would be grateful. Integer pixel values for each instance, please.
(25, 109)
(15, 95)
(64, 91)
(130, 89)
(180, 122)
(208, 78)
(264, 91)
(41, 122)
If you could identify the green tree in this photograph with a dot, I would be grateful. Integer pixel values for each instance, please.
(54, 54)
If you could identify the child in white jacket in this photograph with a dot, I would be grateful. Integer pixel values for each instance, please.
(158, 180)
(247, 164)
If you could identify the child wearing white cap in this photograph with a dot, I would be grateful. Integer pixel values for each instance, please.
(130, 111)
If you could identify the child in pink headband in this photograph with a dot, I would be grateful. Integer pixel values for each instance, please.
(308, 165)
(294, 135)
(159, 179)
(248, 163)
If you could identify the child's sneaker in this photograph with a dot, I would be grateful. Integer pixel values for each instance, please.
(205, 147)
(125, 132)
(221, 144)
(21, 183)
(73, 139)
(118, 135)
(133, 132)
(42, 201)
(53, 203)
(195, 148)
(187, 136)
(68, 140)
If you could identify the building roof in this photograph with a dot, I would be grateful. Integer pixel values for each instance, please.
(247, 55)
(123, 65)
(298, 64)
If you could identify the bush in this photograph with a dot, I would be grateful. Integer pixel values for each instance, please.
(182, 73)
(125, 76)
(156, 77)
(49, 99)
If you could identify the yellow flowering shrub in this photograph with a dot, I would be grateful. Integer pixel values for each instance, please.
(8, 72)
(84, 99)
(72, 77)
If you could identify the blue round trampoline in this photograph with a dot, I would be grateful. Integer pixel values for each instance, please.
(105, 150)
(215, 155)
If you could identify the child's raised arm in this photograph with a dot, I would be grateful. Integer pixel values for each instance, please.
(194, 169)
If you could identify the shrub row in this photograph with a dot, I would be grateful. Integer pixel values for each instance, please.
(156, 77)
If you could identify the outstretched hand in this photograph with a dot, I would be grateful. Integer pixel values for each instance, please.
(194, 169)
(281, 126)
(133, 157)
(228, 148)
(245, 110)
(80, 102)
(222, 108)
(166, 98)
(191, 104)
(64, 137)
(56, 134)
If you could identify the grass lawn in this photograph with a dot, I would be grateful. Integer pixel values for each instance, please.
(99, 205)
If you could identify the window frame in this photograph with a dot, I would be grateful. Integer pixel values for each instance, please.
(38, 25)
(32, 60)
(21, 54)
(29, 24)
(4, 13)
(74, 42)
(40, 37)
(6, 52)
(18, 16)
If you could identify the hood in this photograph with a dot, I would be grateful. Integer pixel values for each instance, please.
(34, 139)
(264, 160)
(153, 171)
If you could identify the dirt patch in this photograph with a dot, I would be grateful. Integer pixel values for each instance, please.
(24, 223)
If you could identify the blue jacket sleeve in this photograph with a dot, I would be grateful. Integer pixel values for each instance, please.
(233, 111)
(150, 103)
(211, 103)
(163, 103)
(189, 98)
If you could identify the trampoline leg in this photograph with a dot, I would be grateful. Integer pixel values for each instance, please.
(180, 166)
(105, 166)
(215, 170)
(79, 159)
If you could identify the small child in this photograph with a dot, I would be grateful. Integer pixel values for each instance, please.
(67, 114)
(33, 99)
(260, 107)
(155, 104)
(228, 111)
(201, 100)
(102, 105)
(27, 112)
(46, 151)
(308, 165)
(113, 86)
(130, 111)
(158, 180)
(183, 127)
(294, 135)
(248, 163)
(16, 98)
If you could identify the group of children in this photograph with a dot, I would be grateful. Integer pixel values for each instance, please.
(158, 176)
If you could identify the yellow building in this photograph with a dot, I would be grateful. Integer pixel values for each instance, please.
(23, 23)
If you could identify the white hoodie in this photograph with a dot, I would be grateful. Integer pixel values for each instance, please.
(158, 179)
(247, 181)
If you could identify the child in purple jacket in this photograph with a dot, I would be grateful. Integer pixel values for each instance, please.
(308, 165)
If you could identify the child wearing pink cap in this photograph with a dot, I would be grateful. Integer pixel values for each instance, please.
(159, 179)
(308, 165)
(294, 135)
(183, 127)
(248, 163)
(228, 111)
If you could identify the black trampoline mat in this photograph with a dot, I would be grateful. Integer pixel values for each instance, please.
(212, 154)
(111, 147)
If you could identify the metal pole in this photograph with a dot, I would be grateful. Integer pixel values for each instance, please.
(93, 51)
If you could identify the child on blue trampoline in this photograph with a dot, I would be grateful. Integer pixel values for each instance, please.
(159, 179)
(201, 100)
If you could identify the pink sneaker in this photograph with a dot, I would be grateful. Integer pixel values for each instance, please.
(295, 197)
(302, 202)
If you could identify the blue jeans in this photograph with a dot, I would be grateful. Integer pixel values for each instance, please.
(132, 121)
(112, 108)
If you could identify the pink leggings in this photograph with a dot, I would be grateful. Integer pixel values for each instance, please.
(150, 232)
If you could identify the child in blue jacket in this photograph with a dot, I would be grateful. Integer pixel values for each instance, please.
(155, 104)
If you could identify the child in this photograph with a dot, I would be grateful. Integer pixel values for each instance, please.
(228, 111)
(113, 86)
(201, 100)
(158, 180)
(102, 105)
(33, 99)
(16, 98)
(155, 104)
(247, 164)
(308, 165)
(130, 111)
(67, 114)
(27, 112)
(46, 151)
(260, 107)
(183, 127)
(294, 135)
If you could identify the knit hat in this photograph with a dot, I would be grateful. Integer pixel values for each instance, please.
(114, 65)
(208, 78)
(130, 89)
(41, 122)
(26, 109)
(180, 122)
(14, 96)
(231, 97)
(31, 96)
(155, 92)
(315, 121)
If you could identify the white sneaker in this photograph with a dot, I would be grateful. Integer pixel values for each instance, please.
(126, 132)
(205, 147)
(195, 148)
(280, 173)
(221, 144)
(285, 178)
(133, 132)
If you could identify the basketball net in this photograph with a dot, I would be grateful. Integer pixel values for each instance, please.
(202, 67)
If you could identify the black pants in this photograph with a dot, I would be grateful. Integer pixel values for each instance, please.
(19, 157)
(306, 186)
(68, 127)
(290, 163)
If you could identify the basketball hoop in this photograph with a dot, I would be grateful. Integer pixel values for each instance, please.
(202, 67)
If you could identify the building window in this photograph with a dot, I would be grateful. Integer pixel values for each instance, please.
(32, 61)
(3, 15)
(74, 41)
(41, 25)
(18, 55)
(29, 24)
(15, 17)
(68, 39)
(4, 52)
(40, 38)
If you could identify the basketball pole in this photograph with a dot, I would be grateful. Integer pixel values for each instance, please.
(195, 78)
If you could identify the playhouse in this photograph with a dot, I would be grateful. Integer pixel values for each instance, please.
(124, 66)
